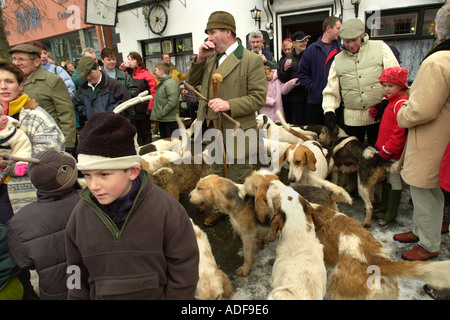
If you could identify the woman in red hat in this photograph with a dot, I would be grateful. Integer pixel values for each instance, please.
(391, 138)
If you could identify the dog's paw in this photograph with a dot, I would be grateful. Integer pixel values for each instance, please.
(243, 271)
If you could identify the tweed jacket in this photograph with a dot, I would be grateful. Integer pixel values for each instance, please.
(427, 116)
(51, 93)
(153, 256)
(244, 86)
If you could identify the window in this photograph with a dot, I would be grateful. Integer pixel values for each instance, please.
(178, 47)
(399, 24)
(403, 23)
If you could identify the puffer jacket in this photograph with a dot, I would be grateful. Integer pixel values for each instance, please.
(108, 94)
(36, 237)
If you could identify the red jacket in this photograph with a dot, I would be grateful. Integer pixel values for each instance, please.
(143, 73)
(444, 173)
(390, 135)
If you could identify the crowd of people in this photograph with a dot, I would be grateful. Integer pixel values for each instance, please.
(58, 121)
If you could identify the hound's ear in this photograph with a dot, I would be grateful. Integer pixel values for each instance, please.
(311, 160)
(310, 211)
(281, 159)
(276, 224)
(261, 206)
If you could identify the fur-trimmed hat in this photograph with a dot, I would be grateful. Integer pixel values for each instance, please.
(56, 170)
(221, 20)
(398, 75)
(107, 142)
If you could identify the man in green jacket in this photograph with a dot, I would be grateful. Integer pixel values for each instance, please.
(241, 93)
(48, 89)
(165, 105)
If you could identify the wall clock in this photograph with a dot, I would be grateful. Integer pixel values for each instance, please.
(157, 19)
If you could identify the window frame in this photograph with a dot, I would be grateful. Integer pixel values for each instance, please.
(419, 10)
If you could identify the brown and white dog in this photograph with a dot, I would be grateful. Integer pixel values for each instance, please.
(361, 268)
(299, 271)
(348, 155)
(179, 178)
(308, 166)
(213, 190)
(213, 283)
(257, 183)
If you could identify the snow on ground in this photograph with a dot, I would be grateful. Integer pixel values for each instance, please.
(257, 285)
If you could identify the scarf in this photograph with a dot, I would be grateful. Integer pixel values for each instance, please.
(118, 209)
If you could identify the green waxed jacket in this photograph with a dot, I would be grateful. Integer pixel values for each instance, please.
(51, 93)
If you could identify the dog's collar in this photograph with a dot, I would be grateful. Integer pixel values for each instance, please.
(340, 145)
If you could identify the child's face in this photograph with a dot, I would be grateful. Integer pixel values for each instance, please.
(109, 185)
(159, 73)
(3, 119)
(391, 88)
(269, 74)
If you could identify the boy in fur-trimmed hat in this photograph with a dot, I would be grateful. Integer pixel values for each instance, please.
(129, 238)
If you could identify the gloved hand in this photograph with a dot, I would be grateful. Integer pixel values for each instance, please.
(385, 154)
(377, 110)
(330, 120)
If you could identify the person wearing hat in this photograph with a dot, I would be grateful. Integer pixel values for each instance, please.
(241, 93)
(391, 138)
(354, 76)
(36, 234)
(99, 93)
(286, 49)
(60, 71)
(315, 66)
(130, 238)
(294, 105)
(426, 115)
(257, 44)
(48, 89)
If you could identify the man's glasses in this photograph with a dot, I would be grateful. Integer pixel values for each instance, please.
(20, 59)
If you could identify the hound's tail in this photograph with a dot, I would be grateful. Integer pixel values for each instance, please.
(435, 273)
(342, 195)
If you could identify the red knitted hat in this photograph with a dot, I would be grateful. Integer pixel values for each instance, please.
(398, 75)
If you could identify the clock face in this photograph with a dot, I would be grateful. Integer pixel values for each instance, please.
(157, 19)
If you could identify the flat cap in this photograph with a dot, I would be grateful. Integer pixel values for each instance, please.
(85, 65)
(221, 20)
(26, 48)
(351, 29)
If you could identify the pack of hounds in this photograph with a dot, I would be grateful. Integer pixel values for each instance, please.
(302, 214)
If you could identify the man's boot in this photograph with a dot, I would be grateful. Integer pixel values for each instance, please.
(382, 205)
(392, 207)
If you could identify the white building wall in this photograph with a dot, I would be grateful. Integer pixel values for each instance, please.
(191, 16)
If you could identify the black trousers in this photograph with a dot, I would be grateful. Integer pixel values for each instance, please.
(360, 132)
